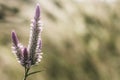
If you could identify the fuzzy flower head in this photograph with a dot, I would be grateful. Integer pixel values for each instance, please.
(32, 54)
(37, 12)
(14, 39)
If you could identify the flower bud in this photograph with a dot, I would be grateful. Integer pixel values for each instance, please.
(25, 53)
(14, 38)
(37, 12)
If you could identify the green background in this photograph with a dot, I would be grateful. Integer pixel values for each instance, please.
(81, 40)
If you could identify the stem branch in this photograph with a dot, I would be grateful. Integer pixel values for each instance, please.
(26, 73)
(34, 72)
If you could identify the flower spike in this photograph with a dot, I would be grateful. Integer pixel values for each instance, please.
(31, 55)
(25, 59)
(37, 12)
(14, 38)
(35, 35)
(25, 53)
(17, 47)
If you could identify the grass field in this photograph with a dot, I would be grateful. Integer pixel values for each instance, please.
(81, 40)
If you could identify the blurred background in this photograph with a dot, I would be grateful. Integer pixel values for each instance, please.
(81, 40)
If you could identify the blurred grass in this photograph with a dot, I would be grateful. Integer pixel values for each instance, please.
(81, 41)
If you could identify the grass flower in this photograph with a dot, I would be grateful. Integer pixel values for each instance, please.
(31, 55)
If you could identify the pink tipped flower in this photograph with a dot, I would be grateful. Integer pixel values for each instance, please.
(25, 61)
(31, 55)
(25, 53)
(17, 47)
(35, 36)
(14, 39)
(37, 12)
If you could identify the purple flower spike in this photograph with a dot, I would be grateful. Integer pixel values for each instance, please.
(25, 53)
(16, 46)
(34, 46)
(14, 38)
(32, 54)
(25, 61)
(37, 12)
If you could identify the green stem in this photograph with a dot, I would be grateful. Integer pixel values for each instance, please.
(34, 72)
(26, 73)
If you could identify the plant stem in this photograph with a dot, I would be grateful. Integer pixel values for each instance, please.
(34, 72)
(26, 73)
